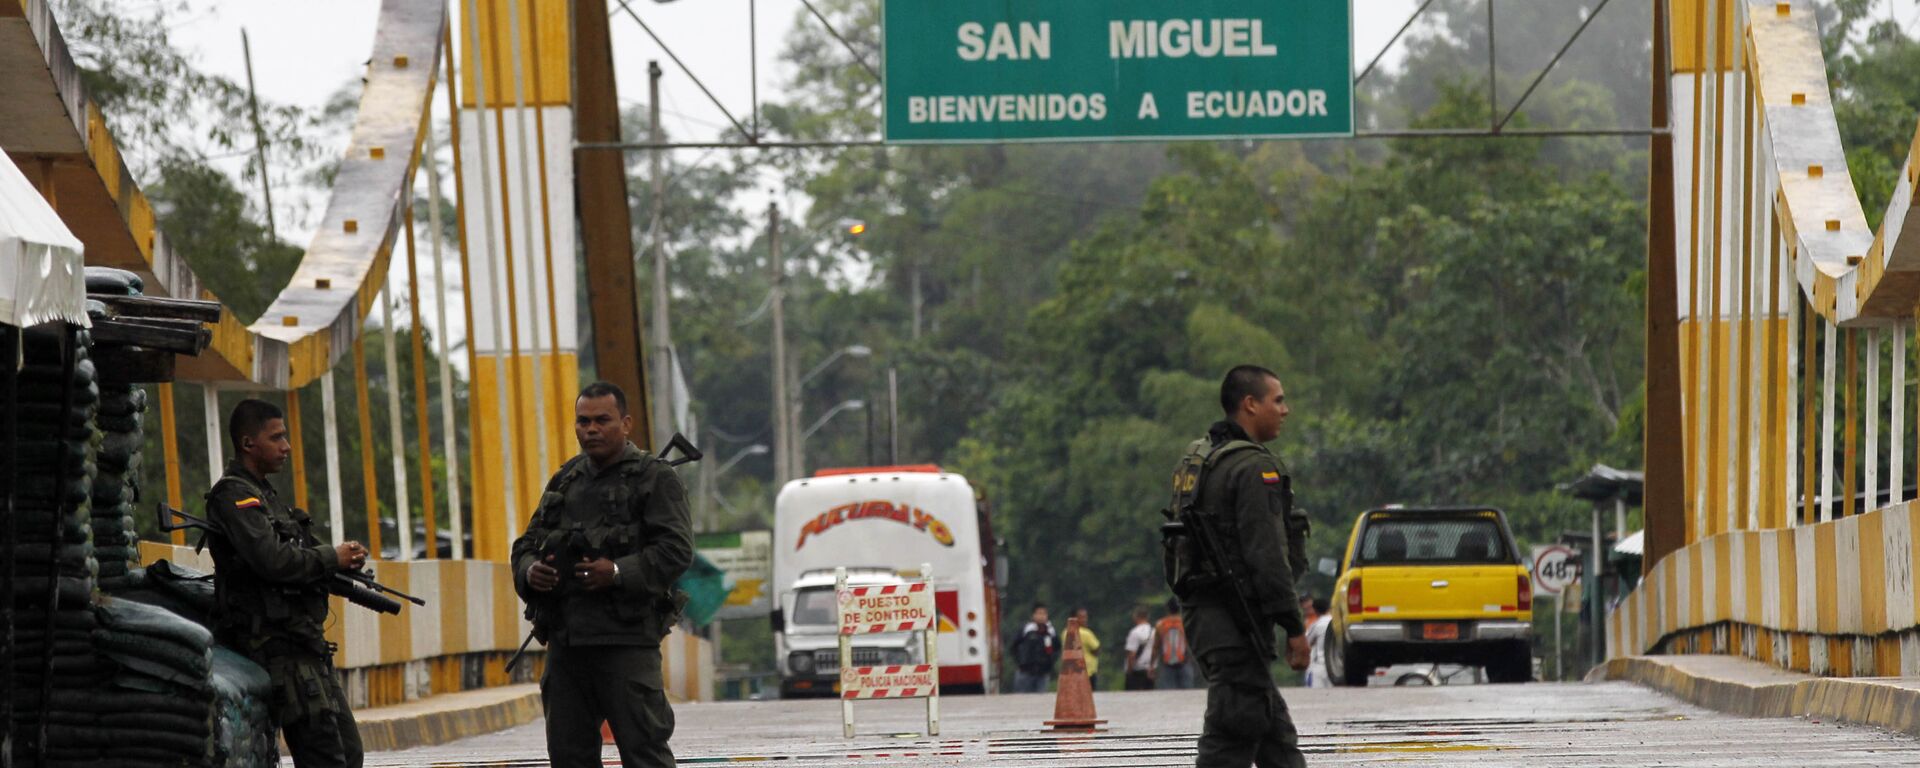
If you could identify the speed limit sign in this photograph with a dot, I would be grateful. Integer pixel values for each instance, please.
(1555, 567)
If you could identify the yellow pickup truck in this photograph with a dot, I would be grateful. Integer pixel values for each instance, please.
(1435, 584)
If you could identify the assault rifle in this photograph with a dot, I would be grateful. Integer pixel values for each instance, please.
(1190, 523)
(356, 586)
(567, 547)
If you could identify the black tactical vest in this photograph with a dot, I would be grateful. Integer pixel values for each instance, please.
(251, 613)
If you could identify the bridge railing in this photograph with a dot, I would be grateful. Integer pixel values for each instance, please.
(1793, 340)
(504, 95)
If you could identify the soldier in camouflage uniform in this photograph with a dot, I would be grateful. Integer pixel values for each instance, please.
(271, 597)
(1245, 494)
(597, 567)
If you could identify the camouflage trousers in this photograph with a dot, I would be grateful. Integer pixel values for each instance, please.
(1247, 722)
(311, 710)
(621, 685)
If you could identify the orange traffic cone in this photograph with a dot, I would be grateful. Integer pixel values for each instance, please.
(606, 733)
(1073, 702)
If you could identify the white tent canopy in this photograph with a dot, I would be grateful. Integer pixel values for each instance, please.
(42, 273)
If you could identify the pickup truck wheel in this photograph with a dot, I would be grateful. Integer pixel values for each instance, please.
(1510, 663)
(1348, 665)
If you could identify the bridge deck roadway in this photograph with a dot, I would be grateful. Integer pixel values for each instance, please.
(1606, 724)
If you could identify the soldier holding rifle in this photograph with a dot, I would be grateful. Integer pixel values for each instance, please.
(597, 567)
(1234, 546)
(271, 580)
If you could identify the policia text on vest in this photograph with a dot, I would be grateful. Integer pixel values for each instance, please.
(596, 567)
(271, 580)
(1233, 567)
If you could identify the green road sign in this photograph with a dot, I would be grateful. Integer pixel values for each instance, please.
(1073, 70)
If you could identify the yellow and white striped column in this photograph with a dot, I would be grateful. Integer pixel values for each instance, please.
(1737, 289)
(516, 133)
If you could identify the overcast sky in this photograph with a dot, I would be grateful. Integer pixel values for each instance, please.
(304, 52)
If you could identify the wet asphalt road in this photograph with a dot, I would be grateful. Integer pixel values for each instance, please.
(1484, 726)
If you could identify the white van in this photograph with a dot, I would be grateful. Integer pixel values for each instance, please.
(881, 524)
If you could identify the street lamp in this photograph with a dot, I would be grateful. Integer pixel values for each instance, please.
(795, 457)
(846, 405)
(709, 491)
(783, 418)
(856, 350)
(752, 450)
(800, 445)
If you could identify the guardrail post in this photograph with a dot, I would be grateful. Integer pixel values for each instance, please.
(931, 636)
(846, 658)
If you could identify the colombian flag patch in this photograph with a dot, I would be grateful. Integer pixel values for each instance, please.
(1270, 478)
(253, 502)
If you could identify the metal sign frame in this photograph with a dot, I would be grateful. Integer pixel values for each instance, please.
(929, 637)
(754, 138)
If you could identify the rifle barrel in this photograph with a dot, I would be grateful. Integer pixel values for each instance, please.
(1249, 620)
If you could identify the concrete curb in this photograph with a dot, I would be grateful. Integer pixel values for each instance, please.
(1711, 682)
(448, 717)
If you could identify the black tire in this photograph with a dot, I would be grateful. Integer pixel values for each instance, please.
(1510, 663)
(1348, 665)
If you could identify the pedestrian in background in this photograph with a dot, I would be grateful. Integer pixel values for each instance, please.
(1318, 619)
(1089, 647)
(1034, 653)
(1139, 648)
(1172, 663)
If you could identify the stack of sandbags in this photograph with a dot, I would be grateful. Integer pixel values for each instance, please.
(53, 623)
(243, 732)
(116, 484)
(177, 588)
(119, 415)
(114, 282)
(53, 477)
(243, 729)
(157, 657)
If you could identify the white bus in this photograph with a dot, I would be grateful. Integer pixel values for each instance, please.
(881, 524)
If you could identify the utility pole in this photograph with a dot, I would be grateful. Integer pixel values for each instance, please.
(1596, 594)
(917, 302)
(703, 499)
(796, 431)
(259, 134)
(782, 440)
(893, 415)
(663, 405)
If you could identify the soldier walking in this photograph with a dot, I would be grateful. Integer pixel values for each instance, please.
(1241, 493)
(597, 567)
(270, 597)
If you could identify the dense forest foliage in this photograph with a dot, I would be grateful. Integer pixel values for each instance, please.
(1456, 320)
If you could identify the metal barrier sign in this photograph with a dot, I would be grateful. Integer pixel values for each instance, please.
(1065, 70)
(884, 608)
(896, 682)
